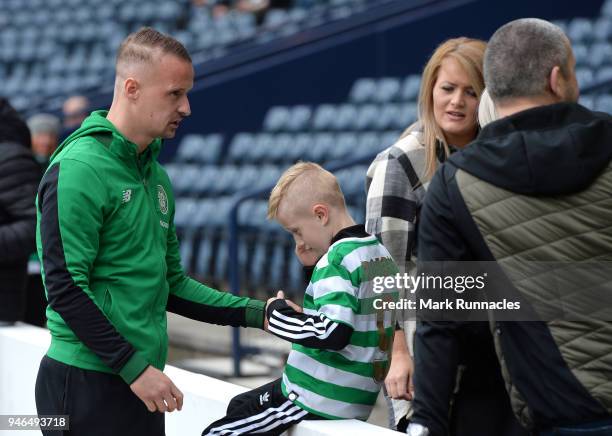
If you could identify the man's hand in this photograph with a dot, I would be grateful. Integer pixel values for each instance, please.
(157, 391)
(280, 295)
(399, 379)
(306, 255)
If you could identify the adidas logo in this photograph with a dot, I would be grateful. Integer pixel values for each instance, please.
(264, 398)
(127, 196)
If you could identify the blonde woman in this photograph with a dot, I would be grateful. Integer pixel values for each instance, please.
(396, 184)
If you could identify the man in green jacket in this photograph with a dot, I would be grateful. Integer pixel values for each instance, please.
(110, 255)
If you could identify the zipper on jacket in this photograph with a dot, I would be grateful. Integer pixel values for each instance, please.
(154, 217)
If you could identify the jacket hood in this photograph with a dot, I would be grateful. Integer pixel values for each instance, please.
(12, 128)
(548, 150)
(97, 124)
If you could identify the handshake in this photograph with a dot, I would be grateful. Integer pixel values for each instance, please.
(160, 394)
(280, 295)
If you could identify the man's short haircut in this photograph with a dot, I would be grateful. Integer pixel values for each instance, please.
(143, 47)
(520, 56)
(308, 181)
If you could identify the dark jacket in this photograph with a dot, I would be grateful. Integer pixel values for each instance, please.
(19, 177)
(534, 186)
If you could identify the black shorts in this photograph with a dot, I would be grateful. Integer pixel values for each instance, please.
(98, 404)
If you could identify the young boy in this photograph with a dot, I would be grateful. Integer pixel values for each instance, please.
(341, 342)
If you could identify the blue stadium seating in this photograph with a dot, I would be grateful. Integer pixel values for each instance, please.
(41, 41)
(47, 55)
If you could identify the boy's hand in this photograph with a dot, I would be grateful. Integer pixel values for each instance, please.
(306, 255)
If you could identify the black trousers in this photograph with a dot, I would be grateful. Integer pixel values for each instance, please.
(97, 404)
(262, 411)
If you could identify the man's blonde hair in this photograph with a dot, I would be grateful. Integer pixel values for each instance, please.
(311, 182)
(143, 46)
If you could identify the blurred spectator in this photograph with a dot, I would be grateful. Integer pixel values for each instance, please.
(261, 7)
(75, 109)
(45, 130)
(19, 176)
(257, 7)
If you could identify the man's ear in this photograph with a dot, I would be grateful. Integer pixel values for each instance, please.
(321, 212)
(556, 82)
(131, 88)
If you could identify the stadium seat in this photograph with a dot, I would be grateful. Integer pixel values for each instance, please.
(410, 88)
(580, 30)
(602, 29)
(277, 118)
(368, 116)
(581, 53)
(299, 118)
(587, 101)
(346, 117)
(604, 103)
(388, 88)
(324, 117)
(239, 146)
(363, 90)
(606, 9)
(321, 147)
(600, 54)
(189, 148)
(344, 146)
(585, 77)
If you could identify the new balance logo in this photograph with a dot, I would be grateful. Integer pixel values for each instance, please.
(264, 398)
(127, 196)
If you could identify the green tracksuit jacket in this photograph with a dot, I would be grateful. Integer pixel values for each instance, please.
(110, 256)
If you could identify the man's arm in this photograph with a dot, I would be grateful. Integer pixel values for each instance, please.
(196, 301)
(436, 342)
(19, 177)
(71, 217)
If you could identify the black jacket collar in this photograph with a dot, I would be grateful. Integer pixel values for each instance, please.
(356, 231)
(548, 150)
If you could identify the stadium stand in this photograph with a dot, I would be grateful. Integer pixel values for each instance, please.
(51, 49)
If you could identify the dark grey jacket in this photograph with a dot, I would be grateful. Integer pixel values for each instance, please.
(535, 186)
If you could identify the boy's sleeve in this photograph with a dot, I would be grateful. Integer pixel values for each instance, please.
(309, 330)
(194, 300)
(71, 216)
(330, 306)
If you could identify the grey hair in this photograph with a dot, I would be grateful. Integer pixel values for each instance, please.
(520, 56)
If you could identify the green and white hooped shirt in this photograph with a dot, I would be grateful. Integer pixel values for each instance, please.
(343, 383)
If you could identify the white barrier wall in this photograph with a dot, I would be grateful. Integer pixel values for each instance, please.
(206, 398)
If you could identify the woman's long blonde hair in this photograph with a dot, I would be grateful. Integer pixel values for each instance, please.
(469, 53)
